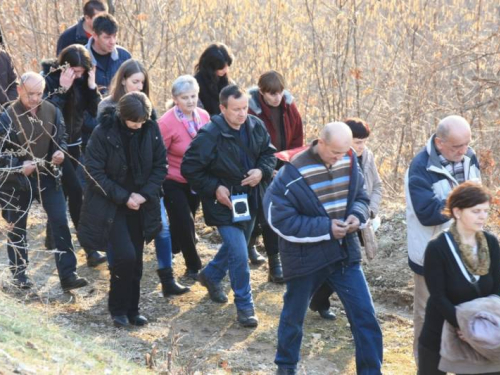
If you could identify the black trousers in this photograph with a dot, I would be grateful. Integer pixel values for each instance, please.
(181, 205)
(53, 202)
(321, 298)
(125, 262)
(268, 235)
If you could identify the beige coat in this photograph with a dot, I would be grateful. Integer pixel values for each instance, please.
(373, 184)
(479, 321)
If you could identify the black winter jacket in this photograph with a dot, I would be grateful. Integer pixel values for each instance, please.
(213, 159)
(73, 103)
(209, 92)
(10, 158)
(8, 77)
(107, 167)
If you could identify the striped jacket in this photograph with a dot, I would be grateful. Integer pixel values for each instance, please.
(295, 213)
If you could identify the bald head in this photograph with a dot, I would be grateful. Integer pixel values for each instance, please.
(452, 124)
(334, 142)
(453, 136)
(31, 89)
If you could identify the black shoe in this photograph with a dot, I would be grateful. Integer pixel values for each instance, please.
(254, 256)
(214, 290)
(120, 321)
(73, 282)
(327, 314)
(275, 269)
(22, 281)
(192, 274)
(95, 258)
(169, 286)
(247, 318)
(138, 320)
(285, 371)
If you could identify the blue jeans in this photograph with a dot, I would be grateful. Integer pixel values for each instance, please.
(233, 257)
(163, 242)
(350, 284)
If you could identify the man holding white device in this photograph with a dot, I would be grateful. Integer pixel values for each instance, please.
(230, 163)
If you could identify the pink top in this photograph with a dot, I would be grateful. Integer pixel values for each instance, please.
(177, 139)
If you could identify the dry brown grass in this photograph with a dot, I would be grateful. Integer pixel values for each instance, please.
(402, 65)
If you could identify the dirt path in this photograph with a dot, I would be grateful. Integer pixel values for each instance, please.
(203, 336)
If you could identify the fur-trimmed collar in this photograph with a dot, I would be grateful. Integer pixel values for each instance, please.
(48, 66)
(254, 101)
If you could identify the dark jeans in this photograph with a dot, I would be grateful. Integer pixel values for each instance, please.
(350, 284)
(125, 262)
(71, 186)
(428, 362)
(268, 235)
(181, 205)
(54, 204)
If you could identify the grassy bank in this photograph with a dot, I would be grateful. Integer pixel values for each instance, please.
(31, 343)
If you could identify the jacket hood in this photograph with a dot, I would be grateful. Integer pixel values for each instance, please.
(48, 66)
(254, 101)
(108, 116)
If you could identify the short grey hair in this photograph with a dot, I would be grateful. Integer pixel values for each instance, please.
(28, 76)
(184, 84)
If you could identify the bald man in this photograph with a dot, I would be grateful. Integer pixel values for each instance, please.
(316, 204)
(446, 161)
(32, 140)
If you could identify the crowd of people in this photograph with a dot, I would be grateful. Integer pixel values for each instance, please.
(83, 135)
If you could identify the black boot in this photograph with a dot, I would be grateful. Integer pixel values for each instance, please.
(254, 256)
(275, 269)
(169, 285)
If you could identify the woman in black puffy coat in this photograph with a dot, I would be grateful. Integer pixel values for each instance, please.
(126, 162)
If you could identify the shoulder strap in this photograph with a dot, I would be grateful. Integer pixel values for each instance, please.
(453, 247)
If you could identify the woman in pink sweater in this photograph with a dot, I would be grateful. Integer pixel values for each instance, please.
(178, 126)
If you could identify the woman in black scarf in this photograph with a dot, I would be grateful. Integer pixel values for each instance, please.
(126, 162)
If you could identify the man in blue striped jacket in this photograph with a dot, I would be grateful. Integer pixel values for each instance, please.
(316, 204)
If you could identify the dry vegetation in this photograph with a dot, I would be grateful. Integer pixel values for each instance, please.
(401, 65)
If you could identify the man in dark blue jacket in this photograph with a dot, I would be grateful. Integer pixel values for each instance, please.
(316, 204)
(81, 31)
(445, 162)
(107, 57)
(230, 163)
